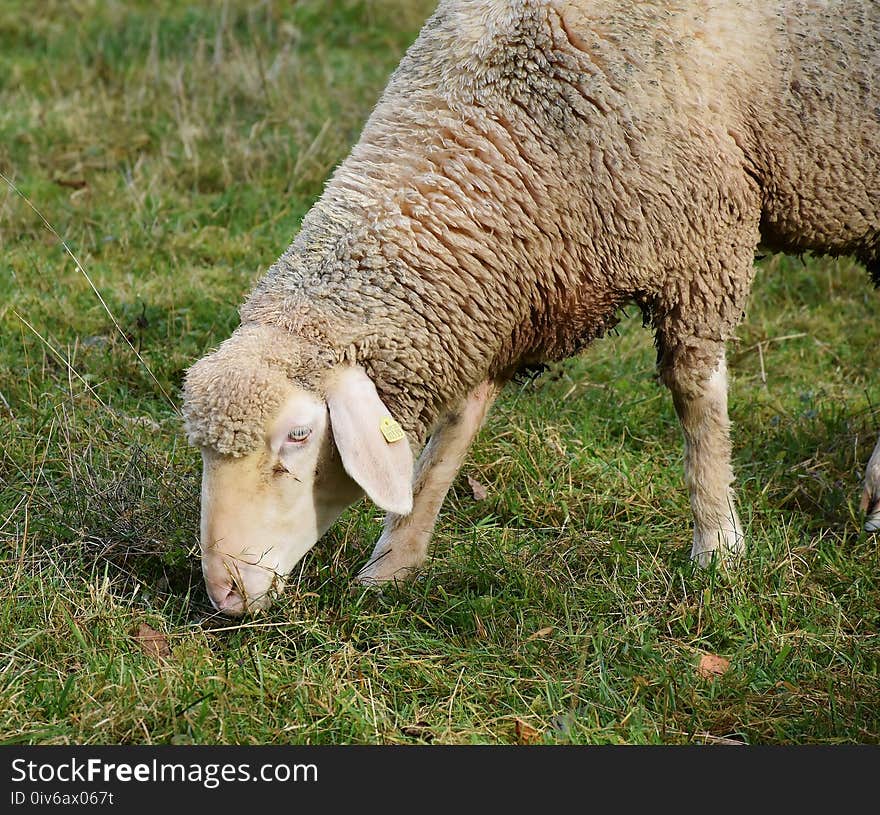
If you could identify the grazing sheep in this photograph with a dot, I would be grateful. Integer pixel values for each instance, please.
(532, 166)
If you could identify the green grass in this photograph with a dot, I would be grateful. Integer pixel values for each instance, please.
(176, 147)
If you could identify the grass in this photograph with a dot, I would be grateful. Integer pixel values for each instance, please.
(176, 147)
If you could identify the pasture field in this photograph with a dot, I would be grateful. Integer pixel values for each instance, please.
(175, 148)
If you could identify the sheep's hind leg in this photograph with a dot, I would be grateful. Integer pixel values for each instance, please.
(871, 492)
(403, 546)
(701, 404)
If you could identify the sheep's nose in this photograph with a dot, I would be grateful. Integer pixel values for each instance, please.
(237, 587)
(232, 603)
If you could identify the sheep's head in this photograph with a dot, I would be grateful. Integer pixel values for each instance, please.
(285, 449)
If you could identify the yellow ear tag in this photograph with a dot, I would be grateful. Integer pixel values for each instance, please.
(391, 430)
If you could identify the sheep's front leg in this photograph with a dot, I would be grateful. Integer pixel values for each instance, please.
(403, 546)
(871, 493)
(701, 404)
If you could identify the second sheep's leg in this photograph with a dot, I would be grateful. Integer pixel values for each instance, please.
(701, 404)
(403, 546)
(871, 492)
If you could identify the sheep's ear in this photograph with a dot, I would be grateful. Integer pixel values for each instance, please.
(374, 450)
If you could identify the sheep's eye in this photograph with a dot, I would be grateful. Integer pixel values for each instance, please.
(299, 434)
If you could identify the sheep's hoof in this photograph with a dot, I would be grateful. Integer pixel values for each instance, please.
(871, 493)
(871, 508)
(724, 545)
(385, 570)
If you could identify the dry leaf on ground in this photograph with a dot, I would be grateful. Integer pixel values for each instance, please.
(478, 490)
(525, 733)
(419, 730)
(712, 665)
(152, 642)
(72, 183)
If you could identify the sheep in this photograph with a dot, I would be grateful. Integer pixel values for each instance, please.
(532, 167)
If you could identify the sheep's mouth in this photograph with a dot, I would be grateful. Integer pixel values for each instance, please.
(246, 588)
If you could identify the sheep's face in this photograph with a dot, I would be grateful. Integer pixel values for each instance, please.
(261, 512)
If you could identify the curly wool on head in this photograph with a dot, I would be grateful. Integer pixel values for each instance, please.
(230, 395)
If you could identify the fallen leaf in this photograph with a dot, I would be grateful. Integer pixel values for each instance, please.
(525, 733)
(152, 642)
(712, 665)
(478, 490)
(72, 183)
(419, 730)
(540, 633)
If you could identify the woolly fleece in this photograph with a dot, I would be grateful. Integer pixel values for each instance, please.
(534, 165)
